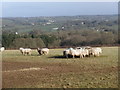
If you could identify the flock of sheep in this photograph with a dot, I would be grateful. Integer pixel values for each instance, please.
(27, 51)
(82, 52)
(70, 52)
(78, 51)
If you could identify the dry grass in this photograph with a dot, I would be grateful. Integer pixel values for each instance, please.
(55, 71)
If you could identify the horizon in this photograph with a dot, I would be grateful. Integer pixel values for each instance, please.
(52, 9)
(63, 16)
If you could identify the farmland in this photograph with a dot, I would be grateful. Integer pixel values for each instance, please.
(55, 71)
(61, 31)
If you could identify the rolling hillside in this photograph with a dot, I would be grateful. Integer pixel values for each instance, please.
(91, 22)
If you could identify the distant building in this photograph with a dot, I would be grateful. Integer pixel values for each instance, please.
(55, 28)
(32, 24)
(97, 30)
(48, 23)
(16, 33)
(63, 28)
(82, 23)
(51, 21)
(106, 20)
(73, 25)
(44, 24)
(4, 25)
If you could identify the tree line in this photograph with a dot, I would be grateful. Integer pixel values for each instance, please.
(36, 38)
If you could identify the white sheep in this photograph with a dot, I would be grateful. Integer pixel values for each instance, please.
(43, 51)
(96, 51)
(76, 52)
(25, 51)
(2, 49)
(85, 52)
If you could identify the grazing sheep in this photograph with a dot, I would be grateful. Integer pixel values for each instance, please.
(85, 52)
(96, 51)
(2, 49)
(43, 51)
(99, 50)
(73, 52)
(78, 48)
(89, 50)
(66, 53)
(82, 51)
(76, 52)
(25, 51)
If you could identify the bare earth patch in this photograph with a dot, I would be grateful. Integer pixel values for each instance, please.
(25, 69)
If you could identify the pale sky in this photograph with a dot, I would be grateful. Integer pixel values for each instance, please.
(60, 0)
(33, 9)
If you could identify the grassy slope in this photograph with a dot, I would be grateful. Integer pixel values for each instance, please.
(96, 72)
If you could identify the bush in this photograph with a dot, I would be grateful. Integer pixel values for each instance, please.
(27, 43)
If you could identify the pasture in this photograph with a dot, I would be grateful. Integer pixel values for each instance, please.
(55, 71)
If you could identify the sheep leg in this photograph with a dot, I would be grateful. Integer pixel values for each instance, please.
(81, 56)
(73, 56)
(66, 56)
(24, 53)
(29, 53)
(98, 54)
(45, 53)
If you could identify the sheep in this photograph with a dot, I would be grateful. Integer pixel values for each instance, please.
(89, 50)
(99, 50)
(76, 52)
(84, 51)
(2, 49)
(25, 51)
(78, 48)
(43, 51)
(66, 53)
(96, 51)
(93, 51)
(73, 52)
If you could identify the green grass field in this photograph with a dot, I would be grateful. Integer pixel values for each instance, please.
(55, 71)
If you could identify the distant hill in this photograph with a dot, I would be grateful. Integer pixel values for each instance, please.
(60, 31)
(51, 24)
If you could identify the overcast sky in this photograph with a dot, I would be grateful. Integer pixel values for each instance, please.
(33, 9)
